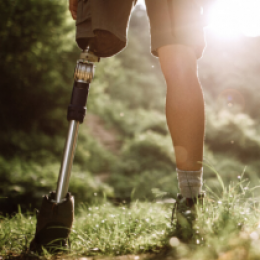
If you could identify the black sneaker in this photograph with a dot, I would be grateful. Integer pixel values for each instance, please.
(54, 223)
(186, 212)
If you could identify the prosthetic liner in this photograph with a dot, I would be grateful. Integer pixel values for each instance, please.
(55, 218)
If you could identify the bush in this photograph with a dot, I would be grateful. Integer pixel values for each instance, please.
(24, 183)
(233, 134)
(92, 156)
(146, 162)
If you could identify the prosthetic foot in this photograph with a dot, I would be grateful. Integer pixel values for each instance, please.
(187, 228)
(54, 221)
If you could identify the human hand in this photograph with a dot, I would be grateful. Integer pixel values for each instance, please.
(73, 6)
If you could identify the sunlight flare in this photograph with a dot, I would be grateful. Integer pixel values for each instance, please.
(231, 18)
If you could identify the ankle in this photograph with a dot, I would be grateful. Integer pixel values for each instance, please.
(190, 183)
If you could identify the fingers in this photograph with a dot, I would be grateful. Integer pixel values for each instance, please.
(73, 6)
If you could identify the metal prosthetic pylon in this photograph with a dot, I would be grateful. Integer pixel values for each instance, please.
(55, 218)
(84, 73)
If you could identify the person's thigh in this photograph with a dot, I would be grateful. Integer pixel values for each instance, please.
(176, 22)
(103, 24)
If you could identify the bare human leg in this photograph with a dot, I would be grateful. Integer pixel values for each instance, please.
(184, 112)
(184, 105)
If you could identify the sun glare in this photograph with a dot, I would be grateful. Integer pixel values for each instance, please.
(231, 18)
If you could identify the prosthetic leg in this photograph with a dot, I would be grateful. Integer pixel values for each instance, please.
(55, 218)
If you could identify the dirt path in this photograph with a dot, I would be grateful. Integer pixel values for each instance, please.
(106, 137)
(124, 257)
(67, 257)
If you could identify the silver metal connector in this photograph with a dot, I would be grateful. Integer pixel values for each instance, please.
(84, 71)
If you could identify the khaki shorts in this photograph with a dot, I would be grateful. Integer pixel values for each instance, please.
(102, 24)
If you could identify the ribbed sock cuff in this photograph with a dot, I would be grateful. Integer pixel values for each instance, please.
(190, 183)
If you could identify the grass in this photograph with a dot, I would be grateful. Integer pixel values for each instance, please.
(98, 230)
(230, 223)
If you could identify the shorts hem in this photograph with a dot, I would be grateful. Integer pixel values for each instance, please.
(82, 33)
(160, 40)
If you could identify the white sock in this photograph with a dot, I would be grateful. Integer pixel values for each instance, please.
(190, 182)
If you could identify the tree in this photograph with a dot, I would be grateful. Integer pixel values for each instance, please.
(37, 54)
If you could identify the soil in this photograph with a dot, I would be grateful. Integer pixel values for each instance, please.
(67, 257)
(106, 137)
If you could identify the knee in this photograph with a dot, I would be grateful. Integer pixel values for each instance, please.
(178, 62)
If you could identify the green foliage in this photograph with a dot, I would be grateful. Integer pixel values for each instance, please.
(146, 162)
(91, 155)
(25, 183)
(236, 133)
(150, 150)
(142, 185)
(24, 179)
(35, 54)
(133, 121)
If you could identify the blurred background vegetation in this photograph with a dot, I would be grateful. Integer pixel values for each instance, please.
(124, 149)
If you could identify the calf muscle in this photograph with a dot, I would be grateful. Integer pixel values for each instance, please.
(184, 105)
